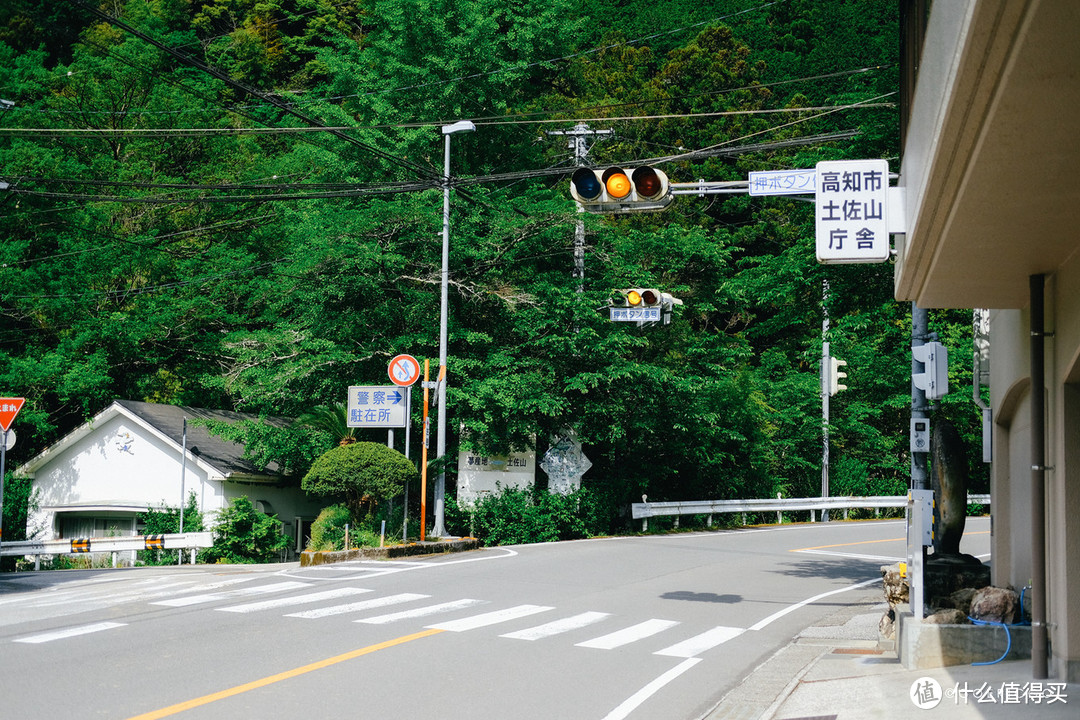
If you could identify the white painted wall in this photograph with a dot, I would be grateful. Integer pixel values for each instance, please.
(120, 464)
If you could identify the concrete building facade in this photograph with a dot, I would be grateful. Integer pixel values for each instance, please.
(991, 175)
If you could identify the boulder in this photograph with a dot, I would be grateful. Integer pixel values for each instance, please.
(961, 600)
(992, 604)
(894, 584)
(948, 616)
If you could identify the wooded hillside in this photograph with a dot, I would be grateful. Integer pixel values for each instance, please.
(237, 204)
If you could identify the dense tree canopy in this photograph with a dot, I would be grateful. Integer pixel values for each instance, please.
(180, 225)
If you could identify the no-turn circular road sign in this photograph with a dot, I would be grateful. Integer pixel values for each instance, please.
(404, 370)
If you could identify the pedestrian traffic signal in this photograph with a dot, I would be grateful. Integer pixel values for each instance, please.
(934, 379)
(618, 190)
(835, 375)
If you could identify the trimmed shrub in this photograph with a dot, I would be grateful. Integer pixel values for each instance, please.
(363, 473)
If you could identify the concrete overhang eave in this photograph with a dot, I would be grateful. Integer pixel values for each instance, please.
(991, 163)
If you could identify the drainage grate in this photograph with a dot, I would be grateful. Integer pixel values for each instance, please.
(854, 651)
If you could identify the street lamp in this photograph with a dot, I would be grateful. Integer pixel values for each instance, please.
(440, 445)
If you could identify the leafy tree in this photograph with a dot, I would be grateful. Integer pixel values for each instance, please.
(362, 473)
(331, 421)
(246, 535)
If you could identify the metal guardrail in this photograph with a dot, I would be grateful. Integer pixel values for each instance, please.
(79, 546)
(647, 510)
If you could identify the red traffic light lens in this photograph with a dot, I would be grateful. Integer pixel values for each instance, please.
(647, 182)
(650, 297)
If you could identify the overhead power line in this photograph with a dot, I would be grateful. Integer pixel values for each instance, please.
(195, 132)
(328, 191)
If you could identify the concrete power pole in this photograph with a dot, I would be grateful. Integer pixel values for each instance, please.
(580, 150)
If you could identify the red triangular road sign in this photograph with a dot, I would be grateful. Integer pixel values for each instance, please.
(9, 408)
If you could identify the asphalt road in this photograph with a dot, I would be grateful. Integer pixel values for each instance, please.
(642, 627)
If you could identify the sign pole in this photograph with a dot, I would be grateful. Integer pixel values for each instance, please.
(408, 433)
(3, 469)
(183, 488)
(423, 458)
(9, 408)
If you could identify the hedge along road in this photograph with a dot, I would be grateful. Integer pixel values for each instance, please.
(638, 627)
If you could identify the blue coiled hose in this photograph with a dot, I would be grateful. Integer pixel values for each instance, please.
(1008, 634)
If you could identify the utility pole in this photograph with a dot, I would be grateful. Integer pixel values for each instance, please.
(826, 391)
(920, 326)
(580, 150)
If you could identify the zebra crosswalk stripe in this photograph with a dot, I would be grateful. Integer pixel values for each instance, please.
(239, 592)
(69, 632)
(558, 626)
(629, 634)
(700, 643)
(491, 618)
(421, 612)
(358, 606)
(295, 600)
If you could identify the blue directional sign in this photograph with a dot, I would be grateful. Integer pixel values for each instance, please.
(783, 182)
(377, 407)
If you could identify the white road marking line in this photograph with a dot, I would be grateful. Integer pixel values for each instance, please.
(558, 626)
(108, 597)
(69, 632)
(628, 635)
(700, 643)
(239, 592)
(294, 600)
(792, 608)
(358, 606)
(402, 566)
(491, 618)
(421, 612)
(631, 703)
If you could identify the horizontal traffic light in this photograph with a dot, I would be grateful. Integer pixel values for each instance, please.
(635, 297)
(619, 190)
(641, 305)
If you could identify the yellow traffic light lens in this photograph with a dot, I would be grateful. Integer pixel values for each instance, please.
(633, 297)
(618, 185)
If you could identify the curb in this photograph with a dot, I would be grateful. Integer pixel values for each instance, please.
(309, 558)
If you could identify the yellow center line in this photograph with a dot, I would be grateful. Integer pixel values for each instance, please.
(868, 542)
(862, 542)
(288, 674)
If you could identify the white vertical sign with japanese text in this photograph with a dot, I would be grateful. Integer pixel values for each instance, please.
(851, 211)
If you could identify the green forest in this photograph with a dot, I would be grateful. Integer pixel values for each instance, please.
(237, 204)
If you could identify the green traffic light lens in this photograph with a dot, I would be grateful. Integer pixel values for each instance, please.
(586, 183)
